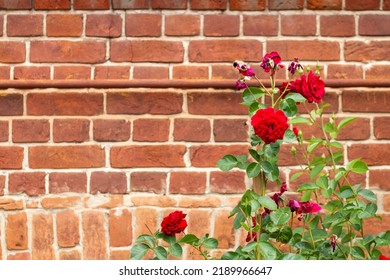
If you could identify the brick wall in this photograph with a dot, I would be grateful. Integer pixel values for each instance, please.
(88, 158)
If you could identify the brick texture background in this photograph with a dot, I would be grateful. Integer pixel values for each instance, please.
(82, 171)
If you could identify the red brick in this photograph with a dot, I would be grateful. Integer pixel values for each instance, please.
(120, 227)
(377, 72)
(64, 25)
(221, 25)
(345, 25)
(94, 235)
(208, 5)
(24, 25)
(120, 255)
(146, 51)
(4, 131)
(151, 72)
(67, 182)
(208, 155)
(285, 5)
(12, 52)
(155, 182)
(227, 182)
(247, 5)
(52, 5)
(160, 103)
(362, 5)
(59, 202)
(223, 230)
(298, 25)
(151, 130)
(42, 237)
(374, 25)
(379, 179)
(108, 182)
(145, 216)
(16, 231)
(324, 4)
(357, 51)
(19, 256)
(5, 72)
(85, 156)
(386, 4)
(169, 4)
(111, 130)
(86, 51)
(224, 50)
(67, 224)
(191, 130)
(31, 183)
(24, 131)
(103, 25)
(375, 225)
(187, 183)
(15, 5)
(386, 202)
(112, 72)
(148, 156)
(190, 72)
(372, 154)
(231, 130)
(11, 157)
(70, 255)
(215, 103)
(373, 101)
(66, 104)
(91, 4)
(344, 71)
(305, 50)
(182, 25)
(70, 130)
(264, 25)
(223, 72)
(72, 73)
(125, 4)
(381, 127)
(143, 25)
(32, 73)
(359, 129)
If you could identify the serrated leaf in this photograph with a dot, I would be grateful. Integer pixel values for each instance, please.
(289, 107)
(297, 97)
(170, 239)
(161, 253)
(367, 194)
(344, 122)
(316, 170)
(357, 252)
(253, 169)
(289, 136)
(189, 239)
(314, 144)
(357, 166)
(307, 187)
(228, 256)
(281, 216)
(227, 163)
(251, 94)
(238, 219)
(299, 120)
(266, 166)
(267, 250)
(145, 238)
(210, 243)
(175, 250)
(250, 246)
(254, 154)
(138, 251)
(267, 202)
(284, 235)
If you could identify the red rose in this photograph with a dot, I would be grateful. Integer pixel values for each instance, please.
(271, 61)
(174, 223)
(384, 258)
(269, 124)
(312, 88)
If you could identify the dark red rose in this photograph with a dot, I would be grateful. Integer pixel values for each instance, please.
(384, 258)
(269, 124)
(311, 87)
(174, 223)
(271, 61)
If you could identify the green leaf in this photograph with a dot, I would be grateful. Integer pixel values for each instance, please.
(272, 150)
(145, 238)
(357, 252)
(344, 122)
(228, 256)
(175, 250)
(316, 170)
(240, 217)
(296, 176)
(253, 169)
(371, 208)
(250, 246)
(289, 107)
(367, 194)
(357, 166)
(314, 222)
(336, 145)
(297, 97)
(281, 216)
(170, 239)
(307, 187)
(319, 233)
(138, 251)
(292, 257)
(284, 235)
(254, 154)
(267, 202)
(266, 166)
(227, 163)
(161, 253)
(251, 94)
(253, 108)
(314, 143)
(210, 243)
(189, 239)
(289, 136)
(306, 196)
(299, 120)
(267, 250)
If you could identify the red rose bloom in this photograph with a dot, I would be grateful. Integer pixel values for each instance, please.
(384, 258)
(269, 124)
(312, 88)
(271, 61)
(174, 223)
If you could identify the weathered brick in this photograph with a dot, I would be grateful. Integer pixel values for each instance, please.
(374, 25)
(264, 25)
(2, 186)
(190, 72)
(52, 4)
(24, 131)
(19, 256)
(386, 202)
(381, 127)
(182, 182)
(72, 72)
(208, 5)
(32, 73)
(151, 72)
(108, 182)
(224, 50)
(375, 225)
(70, 255)
(223, 230)
(199, 201)
(143, 25)
(120, 255)
(357, 51)
(94, 235)
(104, 202)
(182, 25)
(247, 5)
(199, 224)
(160, 103)
(227, 182)
(285, 5)
(345, 25)
(12, 52)
(379, 179)
(373, 101)
(151, 130)
(169, 4)
(4, 72)
(155, 201)
(9, 204)
(386, 4)
(61, 182)
(86, 51)
(87, 156)
(16, 231)
(359, 129)
(148, 156)
(4, 131)
(146, 218)
(191, 130)
(11, 157)
(66, 104)
(67, 224)
(64, 25)
(208, 155)
(120, 227)
(15, 5)
(155, 182)
(298, 25)
(70, 130)
(112, 72)
(24, 25)
(221, 25)
(215, 103)
(324, 4)
(91, 4)
(59, 202)
(223, 72)
(103, 25)
(125, 4)
(231, 130)
(146, 51)
(31, 183)
(377, 72)
(362, 5)
(42, 237)
(111, 130)
(342, 71)
(372, 154)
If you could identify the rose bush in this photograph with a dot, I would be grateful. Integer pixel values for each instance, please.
(327, 222)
